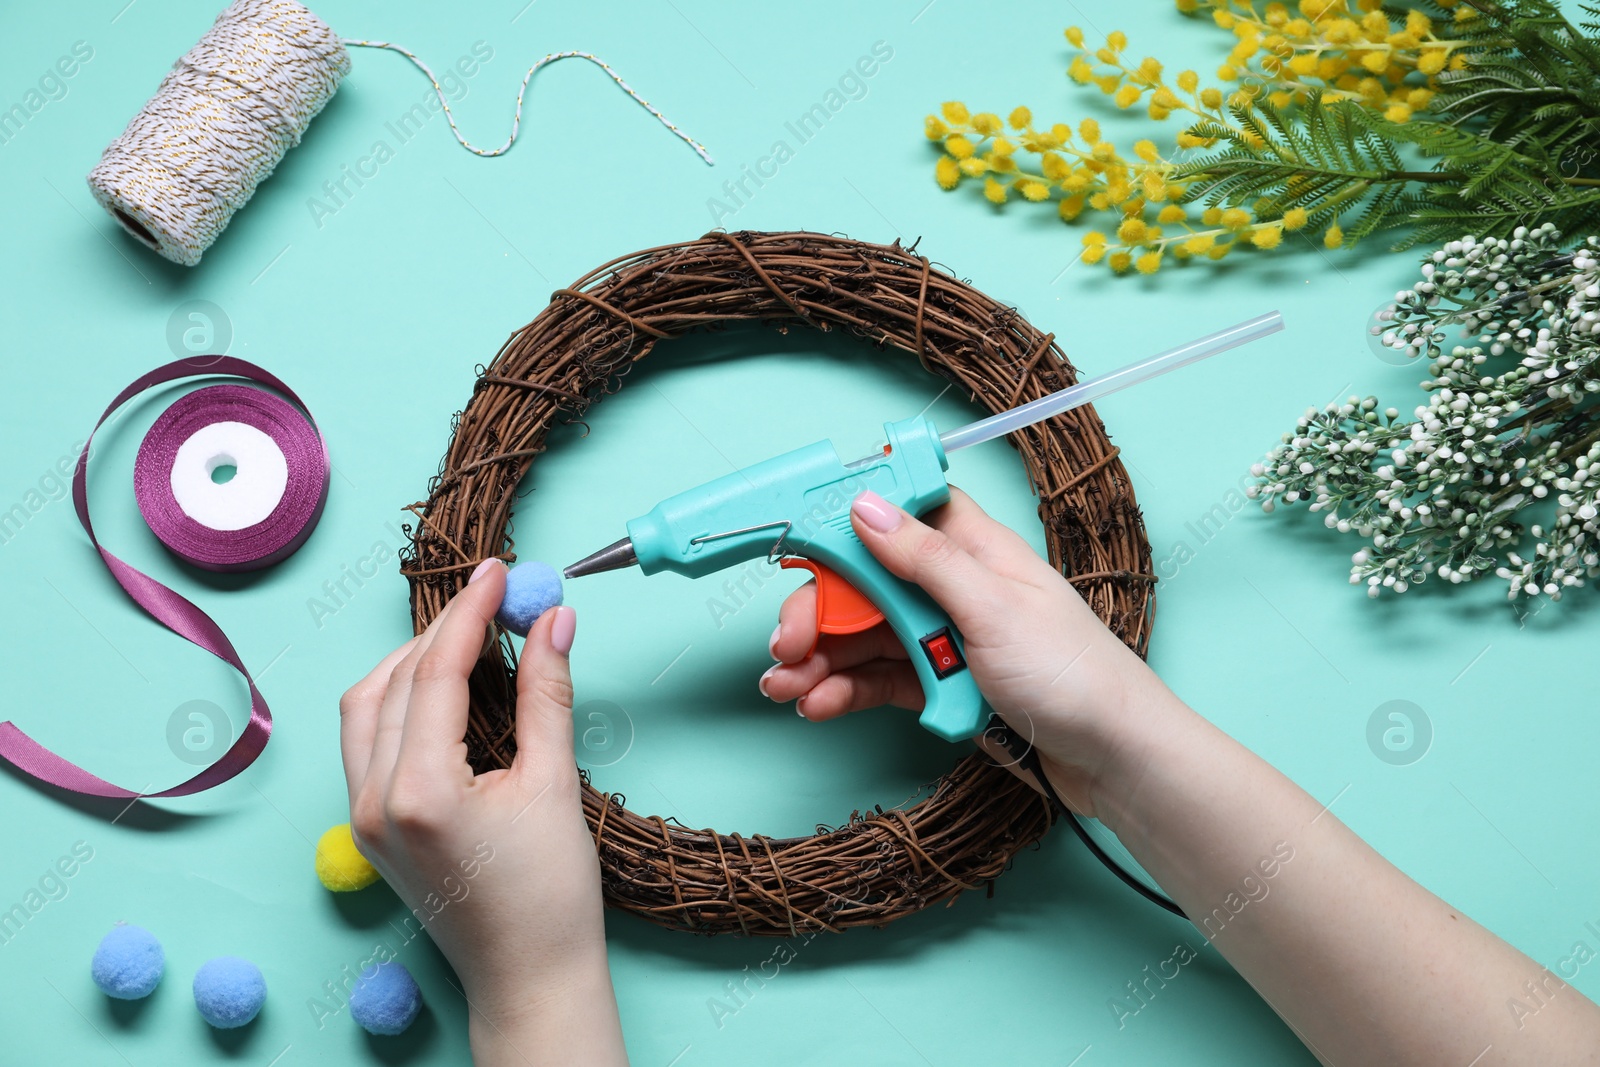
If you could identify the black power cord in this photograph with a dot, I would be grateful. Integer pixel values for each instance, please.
(1027, 758)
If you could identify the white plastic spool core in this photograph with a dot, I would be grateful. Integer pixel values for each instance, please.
(261, 475)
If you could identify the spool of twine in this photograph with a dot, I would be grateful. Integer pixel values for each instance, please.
(218, 125)
(226, 113)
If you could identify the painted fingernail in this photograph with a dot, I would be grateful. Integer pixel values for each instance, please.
(876, 512)
(799, 708)
(478, 571)
(562, 628)
(761, 684)
(772, 645)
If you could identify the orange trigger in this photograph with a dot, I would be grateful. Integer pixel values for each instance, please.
(841, 609)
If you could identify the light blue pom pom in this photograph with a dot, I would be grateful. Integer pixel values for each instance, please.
(129, 962)
(532, 588)
(386, 999)
(229, 991)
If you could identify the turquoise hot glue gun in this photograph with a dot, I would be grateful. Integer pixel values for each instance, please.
(795, 509)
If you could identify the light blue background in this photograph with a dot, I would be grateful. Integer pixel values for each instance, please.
(378, 318)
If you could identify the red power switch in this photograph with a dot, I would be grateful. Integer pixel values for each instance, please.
(942, 654)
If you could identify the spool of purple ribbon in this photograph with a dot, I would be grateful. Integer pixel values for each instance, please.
(279, 483)
(267, 505)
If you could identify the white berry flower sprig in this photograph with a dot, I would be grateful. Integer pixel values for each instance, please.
(1510, 426)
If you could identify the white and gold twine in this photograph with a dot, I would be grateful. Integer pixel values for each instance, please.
(223, 117)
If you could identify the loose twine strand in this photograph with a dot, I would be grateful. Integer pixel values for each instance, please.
(516, 122)
(879, 865)
(222, 119)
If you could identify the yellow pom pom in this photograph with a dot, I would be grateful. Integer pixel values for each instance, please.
(958, 146)
(1131, 231)
(1020, 118)
(955, 111)
(1304, 64)
(1089, 130)
(1146, 150)
(340, 865)
(1171, 213)
(972, 168)
(1070, 207)
(1074, 36)
(1188, 81)
(1398, 113)
(1093, 237)
(1080, 71)
(1117, 40)
(1094, 253)
(1376, 61)
(1148, 263)
(994, 191)
(1235, 218)
(1120, 261)
(1127, 96)
(1294, 218)
(1211, 216)
(1211, 98)
(1200, 243)
(1334, 237)
(934, 129)
(947, 172)
(986, 123)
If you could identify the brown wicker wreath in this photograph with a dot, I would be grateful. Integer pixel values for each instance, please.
(881, 864)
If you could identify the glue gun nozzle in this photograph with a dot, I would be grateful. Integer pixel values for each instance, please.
(609, 558)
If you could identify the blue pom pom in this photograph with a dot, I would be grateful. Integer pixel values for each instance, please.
(129, 962)
(532, 588)
(229, 991)
(386, 999)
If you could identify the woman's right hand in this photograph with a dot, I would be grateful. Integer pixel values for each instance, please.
(1046, 664)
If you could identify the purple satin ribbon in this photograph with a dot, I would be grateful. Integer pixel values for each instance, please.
(171, 609)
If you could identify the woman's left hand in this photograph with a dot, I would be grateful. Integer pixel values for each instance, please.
(499, 867)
